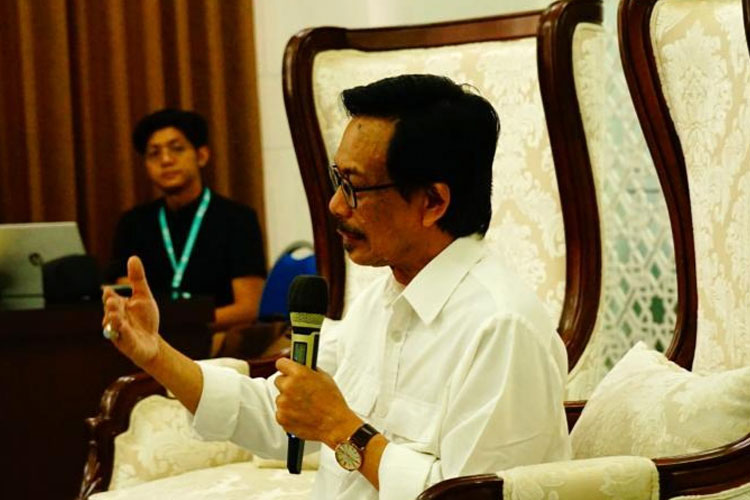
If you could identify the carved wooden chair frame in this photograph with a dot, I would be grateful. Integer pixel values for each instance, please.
(564, 124)
(702, 473)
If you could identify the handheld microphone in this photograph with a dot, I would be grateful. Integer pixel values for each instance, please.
(308, 302)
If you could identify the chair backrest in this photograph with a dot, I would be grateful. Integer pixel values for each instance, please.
(688, 69)
(545, 216)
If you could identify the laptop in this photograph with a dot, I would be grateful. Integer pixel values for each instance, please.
(24, 248)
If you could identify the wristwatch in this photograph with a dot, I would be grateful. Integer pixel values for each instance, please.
(350, 453)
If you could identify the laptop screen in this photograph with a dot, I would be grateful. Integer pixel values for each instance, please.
(23, 250)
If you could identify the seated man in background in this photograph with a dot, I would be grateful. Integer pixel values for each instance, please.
(192, 241)
(449, 365)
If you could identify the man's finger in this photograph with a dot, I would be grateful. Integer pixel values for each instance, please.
(137, 277)
(287, 366)
(112, 305)
(107, 292)
(279, 382)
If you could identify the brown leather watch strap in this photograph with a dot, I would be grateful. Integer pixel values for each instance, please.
(362, 436)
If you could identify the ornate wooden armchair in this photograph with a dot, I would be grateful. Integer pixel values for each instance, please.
(545, 216)
(688, 70)
(115, 411)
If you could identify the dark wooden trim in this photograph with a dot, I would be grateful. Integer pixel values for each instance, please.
(702, 473)
(642, 76)
(554, 28)
(746, 15)
(573, 410)
(312, 157)
(707, 472)
(727, 466)
(113, 419)
(478, 487)
(573, 169)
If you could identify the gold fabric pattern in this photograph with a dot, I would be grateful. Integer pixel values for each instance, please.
(703, 62)
(526, 226)
(618, 477)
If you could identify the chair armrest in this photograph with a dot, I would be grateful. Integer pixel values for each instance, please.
(477, 487)
(698, 474)
(487, 486)
(707, 472)
(265, 367)
(113, 418)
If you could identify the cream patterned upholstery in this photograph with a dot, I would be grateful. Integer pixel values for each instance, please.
(651, 407)
(692, 96)
(161, 456)
(526, 226)
(161, 442)
(239, 481)
(702, 57)
(639, 288)
(609, 478)
(588, 51)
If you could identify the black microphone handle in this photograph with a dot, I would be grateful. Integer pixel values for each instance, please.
(308, 302)
(305, 341)
(294, 453)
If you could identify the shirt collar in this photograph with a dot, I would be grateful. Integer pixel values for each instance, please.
(430, 289)
(186, 212)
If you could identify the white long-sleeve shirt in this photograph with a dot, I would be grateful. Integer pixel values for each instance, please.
(461, 371)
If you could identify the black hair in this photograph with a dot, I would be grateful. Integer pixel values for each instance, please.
(444, 132)
(190, 123)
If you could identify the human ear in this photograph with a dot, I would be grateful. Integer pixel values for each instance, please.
(437, 198)
(204, 153)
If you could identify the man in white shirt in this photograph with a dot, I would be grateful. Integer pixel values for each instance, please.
(449, 366)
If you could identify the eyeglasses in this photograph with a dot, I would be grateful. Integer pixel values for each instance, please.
(350, 192)
(174, 150)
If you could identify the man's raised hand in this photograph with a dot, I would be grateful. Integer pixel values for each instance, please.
(135, 319)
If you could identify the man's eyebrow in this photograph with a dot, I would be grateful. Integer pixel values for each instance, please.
(171, 142)
(349, 171)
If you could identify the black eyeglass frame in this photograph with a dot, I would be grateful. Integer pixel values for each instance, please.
(350, 191)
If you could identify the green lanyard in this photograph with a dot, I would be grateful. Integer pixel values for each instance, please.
(179, 267)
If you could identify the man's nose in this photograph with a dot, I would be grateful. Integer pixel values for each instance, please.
(338, 205)
(166, 156)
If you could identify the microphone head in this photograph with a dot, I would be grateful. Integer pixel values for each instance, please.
(308, 294)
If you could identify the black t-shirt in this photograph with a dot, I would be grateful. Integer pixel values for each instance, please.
(228, 246)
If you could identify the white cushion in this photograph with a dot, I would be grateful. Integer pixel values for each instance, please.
(651, 407)
(243, 481)
(160, 440)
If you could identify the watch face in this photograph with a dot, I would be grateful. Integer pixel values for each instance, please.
(348, 456)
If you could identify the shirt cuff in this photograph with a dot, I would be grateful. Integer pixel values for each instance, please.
(216, 416)
(403, 472)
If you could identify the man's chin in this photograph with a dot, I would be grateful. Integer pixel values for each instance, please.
(356, 253)
(171, 187)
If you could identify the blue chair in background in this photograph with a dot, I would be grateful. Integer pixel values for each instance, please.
(298, 258)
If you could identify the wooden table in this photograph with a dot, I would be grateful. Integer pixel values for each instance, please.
(54, 366)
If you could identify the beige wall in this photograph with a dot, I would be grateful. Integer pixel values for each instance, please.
(276, 21)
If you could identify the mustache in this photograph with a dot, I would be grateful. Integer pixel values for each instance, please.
(342, 226)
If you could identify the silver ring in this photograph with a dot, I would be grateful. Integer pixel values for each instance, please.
(110, 333)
